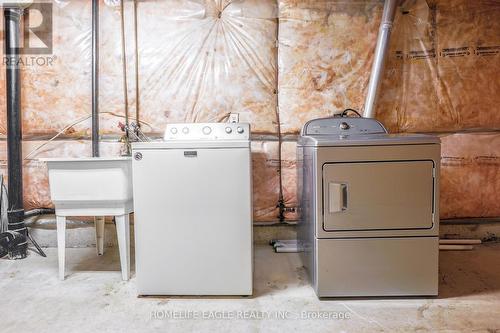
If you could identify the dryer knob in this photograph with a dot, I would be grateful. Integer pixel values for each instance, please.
(228, 130)
(344, 126)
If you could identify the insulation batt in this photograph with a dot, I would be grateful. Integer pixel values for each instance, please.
(289, 173)
(470, 175)
(443, 67)
(59, 92)
(265, 181)
(325, 55)
(205, 59)
(199, 62)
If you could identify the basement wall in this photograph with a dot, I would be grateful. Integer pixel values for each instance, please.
(277, 64)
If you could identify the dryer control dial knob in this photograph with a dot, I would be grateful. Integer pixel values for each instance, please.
(173, 130)
(185, 130)
(344, 126)
(240, 130)
(229, 130)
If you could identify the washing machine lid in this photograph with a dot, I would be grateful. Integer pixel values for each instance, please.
(343, 131)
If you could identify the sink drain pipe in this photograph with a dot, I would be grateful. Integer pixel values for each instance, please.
(384, 36)
(15, 211)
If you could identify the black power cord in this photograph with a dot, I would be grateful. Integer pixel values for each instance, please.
(346, 111)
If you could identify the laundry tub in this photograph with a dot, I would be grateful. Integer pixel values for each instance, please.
(98, 187)
(87, 186)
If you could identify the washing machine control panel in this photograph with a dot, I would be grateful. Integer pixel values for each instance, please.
(207, 131)
(342, 126)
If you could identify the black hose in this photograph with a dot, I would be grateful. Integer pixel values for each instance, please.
(39, 211)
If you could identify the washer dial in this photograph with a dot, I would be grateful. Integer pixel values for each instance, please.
(206, 130)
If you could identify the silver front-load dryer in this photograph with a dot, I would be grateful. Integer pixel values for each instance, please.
(369, 209)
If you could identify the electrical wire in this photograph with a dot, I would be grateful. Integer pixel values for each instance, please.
(221, 118)
(56, 136)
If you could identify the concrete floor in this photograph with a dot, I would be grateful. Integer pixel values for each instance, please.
(93, 298)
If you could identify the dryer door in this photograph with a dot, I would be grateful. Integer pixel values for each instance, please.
(384, 195)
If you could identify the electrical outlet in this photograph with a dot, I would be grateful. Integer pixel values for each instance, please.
(234, 117)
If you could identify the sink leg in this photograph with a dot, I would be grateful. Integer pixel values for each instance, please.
(123, 233)
(61, 243)
(99, 234)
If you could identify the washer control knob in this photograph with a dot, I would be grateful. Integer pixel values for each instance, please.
(229, 130)
(185, 130)
(344, 126)
(173, 130)
(206, 130)
(240, 130)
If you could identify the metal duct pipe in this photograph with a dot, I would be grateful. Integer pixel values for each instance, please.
(384, 35)
(12, 20)
(95, 78)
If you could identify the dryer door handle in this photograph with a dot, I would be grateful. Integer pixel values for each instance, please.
(337, 197)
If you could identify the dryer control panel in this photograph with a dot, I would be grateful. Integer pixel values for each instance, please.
(207, 131)
(342, 126)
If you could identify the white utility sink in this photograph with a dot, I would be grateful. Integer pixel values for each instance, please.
(94, 186)
(91, 186)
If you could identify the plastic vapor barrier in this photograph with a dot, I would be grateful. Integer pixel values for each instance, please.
(278, 64)
(325, 55)
(470, 175)
(443, 67)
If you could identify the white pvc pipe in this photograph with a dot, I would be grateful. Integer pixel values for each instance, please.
(460, 241)
(455, 247)
(381, 49)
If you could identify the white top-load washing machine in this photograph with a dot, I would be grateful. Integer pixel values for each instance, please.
(193, 211)
(369, 209)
